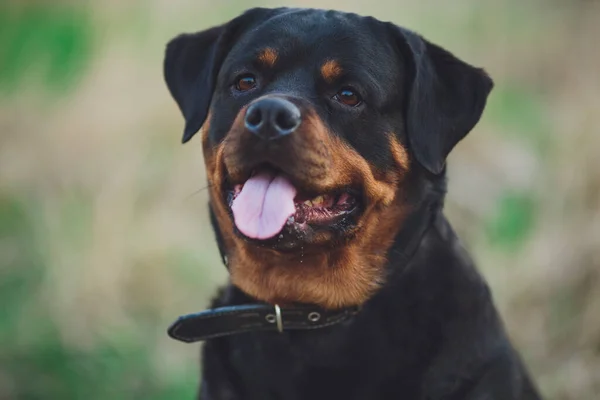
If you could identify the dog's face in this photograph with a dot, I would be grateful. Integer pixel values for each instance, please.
(313, 125)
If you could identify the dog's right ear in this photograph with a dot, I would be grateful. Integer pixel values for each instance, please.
(192, 63)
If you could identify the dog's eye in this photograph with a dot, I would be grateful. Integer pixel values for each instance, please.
(245, 82)
(349, 97)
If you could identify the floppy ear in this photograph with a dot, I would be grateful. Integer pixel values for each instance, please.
(189, 71)
(445, 101)
(192, 63)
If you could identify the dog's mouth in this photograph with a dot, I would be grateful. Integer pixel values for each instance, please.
(268, 205)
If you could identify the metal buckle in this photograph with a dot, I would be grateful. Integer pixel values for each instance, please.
(278, 318)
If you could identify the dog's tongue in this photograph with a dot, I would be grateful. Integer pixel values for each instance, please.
(264, 205)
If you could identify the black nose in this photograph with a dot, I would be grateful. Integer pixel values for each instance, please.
(272, 118)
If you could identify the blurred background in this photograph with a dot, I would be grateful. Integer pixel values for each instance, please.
(104, 235)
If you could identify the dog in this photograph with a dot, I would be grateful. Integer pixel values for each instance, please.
(325, 136)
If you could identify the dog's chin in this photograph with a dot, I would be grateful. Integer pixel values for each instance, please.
(319, 220)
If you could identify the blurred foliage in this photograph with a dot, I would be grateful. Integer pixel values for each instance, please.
(99, 249)
(36, 362)
(512, 221)
(521, 113)
(54, 41)
(56, 44)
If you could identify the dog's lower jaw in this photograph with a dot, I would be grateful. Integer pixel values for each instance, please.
(344, 276)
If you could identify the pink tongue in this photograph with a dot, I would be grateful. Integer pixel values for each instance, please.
(263, 206)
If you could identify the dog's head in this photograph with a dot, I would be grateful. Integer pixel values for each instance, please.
(316, 125)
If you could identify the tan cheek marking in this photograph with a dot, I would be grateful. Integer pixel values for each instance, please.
(268, 57)
(205, 143)
(215, 172)
(330, 70)
(399, 153)
(351, 167)
(347, 167)
(232, 143)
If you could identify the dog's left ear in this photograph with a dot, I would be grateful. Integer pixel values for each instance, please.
(192, 63)
(445, 100)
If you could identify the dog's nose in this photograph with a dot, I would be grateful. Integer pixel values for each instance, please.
(272, 118)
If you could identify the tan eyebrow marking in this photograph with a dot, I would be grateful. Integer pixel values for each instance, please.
(330, 70)
(268, 56)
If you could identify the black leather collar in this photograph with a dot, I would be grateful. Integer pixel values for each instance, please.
(224, 321)
(230, 320)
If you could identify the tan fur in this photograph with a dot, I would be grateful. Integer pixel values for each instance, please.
(208, 154)
(331, 70)
(268, 57)
(399, 153)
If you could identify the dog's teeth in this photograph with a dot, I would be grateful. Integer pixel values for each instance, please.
(318, 200)
(308, 203)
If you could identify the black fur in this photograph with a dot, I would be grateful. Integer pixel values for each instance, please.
(432, 332)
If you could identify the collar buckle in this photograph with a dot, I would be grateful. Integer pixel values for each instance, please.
(276, 317)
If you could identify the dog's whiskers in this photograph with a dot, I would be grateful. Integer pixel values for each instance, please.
(197, 192)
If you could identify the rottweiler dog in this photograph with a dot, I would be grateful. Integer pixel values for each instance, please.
(325, 136)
